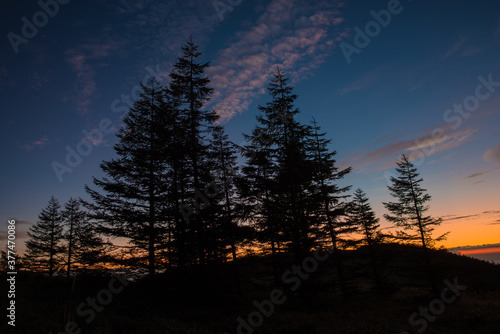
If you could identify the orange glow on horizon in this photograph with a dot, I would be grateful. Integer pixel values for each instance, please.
(469, 232)
(480, 251)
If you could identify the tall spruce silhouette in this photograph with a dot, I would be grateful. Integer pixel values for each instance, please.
(178, 242)
(329, 197)
(361, 213)
(131, 204)
(408, 212)
(44, 248)
(292, 173)
(226, 171)
(189, 88)
(85, 247)
(293, 167)
(275, 155)
(73, 218)
(256, 189)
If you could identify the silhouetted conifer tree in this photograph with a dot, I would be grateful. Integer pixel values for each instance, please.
(274, 155)
(329, 196)
(226, 171)
(408, 212)
(256, 189)
(73, 218)
(44, 249)
(84, 245)
(179, 242)
(134, 193)
(326, 175)
(362, 214)
(190, 89)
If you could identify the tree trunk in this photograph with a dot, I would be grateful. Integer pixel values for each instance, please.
(70, 246)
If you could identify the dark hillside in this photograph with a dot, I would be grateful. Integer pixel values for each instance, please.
(200, 301)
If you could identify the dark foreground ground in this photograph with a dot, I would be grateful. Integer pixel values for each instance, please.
(211, 300)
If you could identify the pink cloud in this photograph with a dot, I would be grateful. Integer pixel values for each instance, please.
(294, 35)
(422, 147)
(479, 174)
(80, 60)
(492, 154)
(43, 141)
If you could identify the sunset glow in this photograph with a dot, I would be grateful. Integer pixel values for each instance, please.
(427, 88)
(481, 251)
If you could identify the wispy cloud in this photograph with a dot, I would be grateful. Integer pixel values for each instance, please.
(82, 61)
(158, 29)
(43, 141)
(366, 80)
(38, 79)
(452, 217)
(386, 156)
(478, 174)
(474, 50)
(456, 46)
(475, 247)
(497, 222)
(492, 154)
(468, 46)
(294, 35)
(491, 217)
(144, 33)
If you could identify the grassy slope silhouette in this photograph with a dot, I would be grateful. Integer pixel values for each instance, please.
(205, 300)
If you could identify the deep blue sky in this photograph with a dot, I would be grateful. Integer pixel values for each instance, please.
(387, 100)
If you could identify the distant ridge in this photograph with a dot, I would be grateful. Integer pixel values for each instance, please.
(487, 252)
(474, 247)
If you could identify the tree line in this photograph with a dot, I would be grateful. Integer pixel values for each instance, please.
(178, 196)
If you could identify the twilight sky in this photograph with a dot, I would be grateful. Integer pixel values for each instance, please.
(382, 78)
